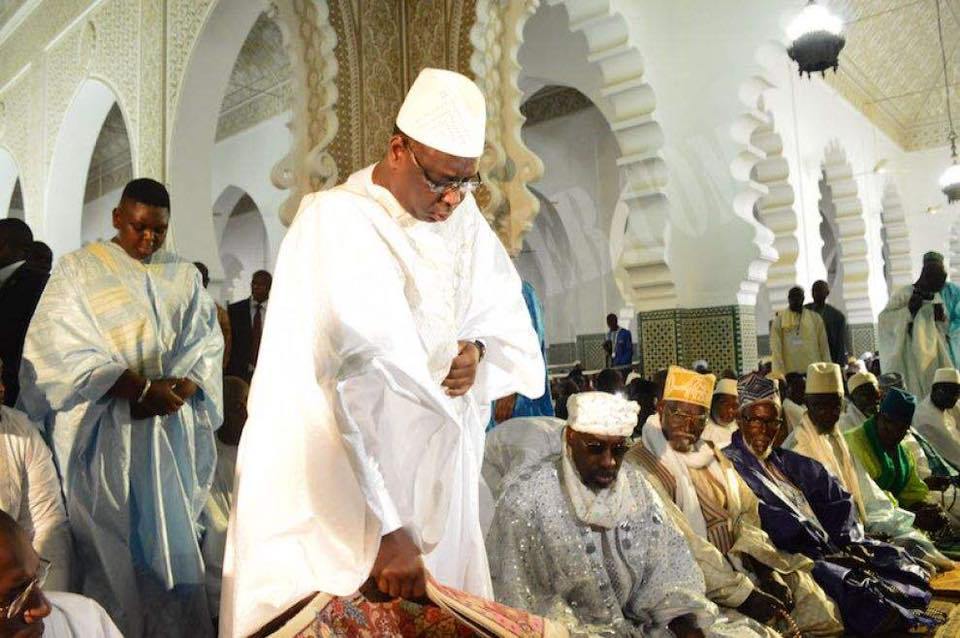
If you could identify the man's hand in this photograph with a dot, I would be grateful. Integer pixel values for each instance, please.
(185, 388)
(463, 370)
(761, 606)
(161, 399)
(685, 627)
(398, 570)
(930, 518)
(916, 301)
(774, 586)
(937, 483)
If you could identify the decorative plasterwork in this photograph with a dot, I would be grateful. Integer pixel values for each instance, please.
(552, 102)
(310, 41)
(896, 240)
(851, 235)
(642, 272)
(381, 46)
(507, 165)
(766, 198)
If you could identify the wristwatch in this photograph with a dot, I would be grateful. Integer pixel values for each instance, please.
(481, 347)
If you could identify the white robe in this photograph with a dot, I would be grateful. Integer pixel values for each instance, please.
(939, 428)
(75, 616)
(215, 519)
(918, 355)
(851, 417)
(719, 435)
(350, 435)
(30, 492)
(793, 414)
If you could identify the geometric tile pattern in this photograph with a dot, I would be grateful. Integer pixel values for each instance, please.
(561, 353)
(863, 338)
(763, 345)
(590, 351)
(747, 355)
(657, 331)
(711, 334)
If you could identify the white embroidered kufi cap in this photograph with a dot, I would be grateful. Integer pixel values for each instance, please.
(726, 386)
(824, 378)
(602, 413)
(946, 375)
(862, 378)
(445, 111)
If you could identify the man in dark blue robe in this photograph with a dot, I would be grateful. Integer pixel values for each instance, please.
(877, 586)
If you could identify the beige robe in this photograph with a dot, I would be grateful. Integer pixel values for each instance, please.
(796, 342)
(728, 582)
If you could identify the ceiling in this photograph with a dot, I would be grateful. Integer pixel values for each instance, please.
(891, 66)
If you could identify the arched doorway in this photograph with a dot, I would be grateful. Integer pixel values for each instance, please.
(243, 244)
(70, 164)
(581, 187)
(111, 167)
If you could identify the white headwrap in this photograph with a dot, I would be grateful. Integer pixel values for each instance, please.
(946, 375)
(862, 378)
(602, 413)
(445, 111)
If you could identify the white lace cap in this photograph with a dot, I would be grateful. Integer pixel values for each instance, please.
(602, 413)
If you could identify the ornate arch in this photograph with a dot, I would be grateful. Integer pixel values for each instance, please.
(896, 239)
(311, 41)
(766, 197)
(628, 104)
(851, 234)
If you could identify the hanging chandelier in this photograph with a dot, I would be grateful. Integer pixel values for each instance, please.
(950, 180)
(816, 39)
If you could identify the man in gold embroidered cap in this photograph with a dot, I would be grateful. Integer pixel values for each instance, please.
(919, 330)
(581, 538)
(379, 456)
(742, 568)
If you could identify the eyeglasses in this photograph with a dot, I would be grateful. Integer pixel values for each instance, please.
(464, 186)
(690, 420)
(766, 425)
(15, 608)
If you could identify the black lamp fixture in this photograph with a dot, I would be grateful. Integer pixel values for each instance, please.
(816, 39)
(950, 180)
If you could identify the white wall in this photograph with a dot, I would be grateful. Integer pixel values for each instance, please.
(566, 255)
(245, 161)
(243, 251)
(97, 222)
(916, 176)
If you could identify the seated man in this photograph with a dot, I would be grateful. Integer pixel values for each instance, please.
(935, 419)
(26, 610)
(862, 403)
(718, 506)
(30, 490)
(577, 541)
(877, 586)
(723, 414)
(878, 446)
(819, 438)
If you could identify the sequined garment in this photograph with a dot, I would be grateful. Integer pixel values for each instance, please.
(630, 580)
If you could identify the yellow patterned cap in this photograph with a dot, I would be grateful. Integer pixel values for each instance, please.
(689, 386)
